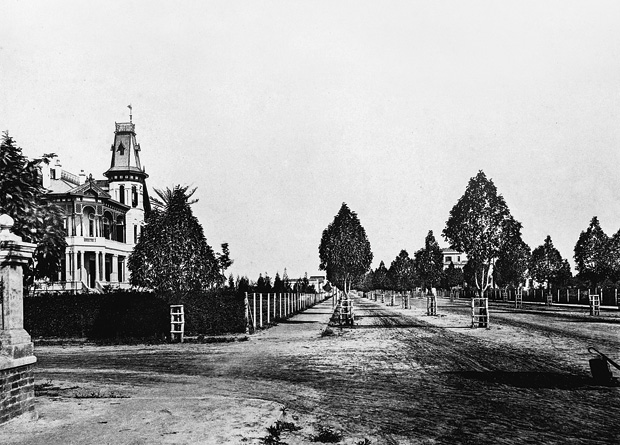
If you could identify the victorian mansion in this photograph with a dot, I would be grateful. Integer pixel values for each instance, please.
(103, 217)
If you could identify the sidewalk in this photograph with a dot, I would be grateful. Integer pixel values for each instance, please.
(191, 400)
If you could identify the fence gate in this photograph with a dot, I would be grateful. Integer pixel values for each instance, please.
(177, 322)
(480, 313)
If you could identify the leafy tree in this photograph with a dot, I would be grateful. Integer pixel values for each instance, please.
(475, 227)
(278, 284)
(546, 264)
(243, 285)
(514, 256)
(402, 271)
(231, 282)
(613, 250)
(172, 254)
(564, 274)
(263, 284)
(429, 262)
(452, 277)
(36, 220)
(380, 278)
(592, 254)
(304, 286)
(344, 250)
(365, 283)
(224, 261)
(286, 282)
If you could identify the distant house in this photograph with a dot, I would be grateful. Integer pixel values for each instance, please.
(455, 257)
(103, 217)
(316, 281)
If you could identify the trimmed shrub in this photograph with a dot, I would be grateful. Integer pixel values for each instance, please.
(130, 315)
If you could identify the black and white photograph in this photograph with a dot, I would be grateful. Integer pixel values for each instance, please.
(291, 222)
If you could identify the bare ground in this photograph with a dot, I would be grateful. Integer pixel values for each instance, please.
(397, 377)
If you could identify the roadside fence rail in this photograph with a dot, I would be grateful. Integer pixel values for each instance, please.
(264, 309)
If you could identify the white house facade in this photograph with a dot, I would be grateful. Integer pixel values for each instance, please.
(103, 217)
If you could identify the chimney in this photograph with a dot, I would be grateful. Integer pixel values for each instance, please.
(82, 178)
(56, 170)
(45, 175)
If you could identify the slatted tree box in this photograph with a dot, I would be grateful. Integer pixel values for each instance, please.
(177, 322)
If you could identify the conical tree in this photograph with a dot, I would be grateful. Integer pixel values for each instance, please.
(429, 262)
(380, 278)
(172, 255)
(592, 254)
(402, 271)
(546, 263)
(344, 250)
(475, 226)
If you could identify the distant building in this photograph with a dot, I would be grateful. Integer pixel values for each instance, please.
(455, 257)
(103, 217)
(318, 281)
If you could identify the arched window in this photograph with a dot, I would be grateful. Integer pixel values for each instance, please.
(88, 222)
(134, 196)
(121, 194)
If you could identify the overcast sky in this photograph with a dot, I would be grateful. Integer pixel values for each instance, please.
(279, 111)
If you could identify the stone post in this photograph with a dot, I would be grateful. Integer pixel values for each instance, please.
(16, 348)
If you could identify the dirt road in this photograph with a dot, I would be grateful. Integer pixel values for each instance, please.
(397, 377)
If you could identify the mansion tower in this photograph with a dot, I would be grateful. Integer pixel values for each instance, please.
(103, 217)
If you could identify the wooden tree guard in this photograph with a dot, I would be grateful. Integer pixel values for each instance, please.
(345, 310)
(392, 299)
(518, 299)
(177, 322)
(595, 304)
(480, 313)
(431, 305)
(549, 298)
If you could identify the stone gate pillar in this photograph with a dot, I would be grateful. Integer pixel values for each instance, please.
(16, 349)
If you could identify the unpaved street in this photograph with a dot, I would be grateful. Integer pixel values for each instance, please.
(397, 377)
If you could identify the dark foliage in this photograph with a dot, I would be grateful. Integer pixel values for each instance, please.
(344, 250)
(123, 316)
(22, 197)
(172, 254)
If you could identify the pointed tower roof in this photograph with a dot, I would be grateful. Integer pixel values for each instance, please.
(125, 152)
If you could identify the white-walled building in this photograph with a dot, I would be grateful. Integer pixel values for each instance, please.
(459, 259)
(103, 217)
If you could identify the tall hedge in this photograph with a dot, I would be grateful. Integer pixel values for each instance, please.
(130, 315)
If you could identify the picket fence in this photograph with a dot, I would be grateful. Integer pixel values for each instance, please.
(262, 309)
(609, 297)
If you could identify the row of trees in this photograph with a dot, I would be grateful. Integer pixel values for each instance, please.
(172, 254)
(265, 285)
(424, 270)
(480, 225)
